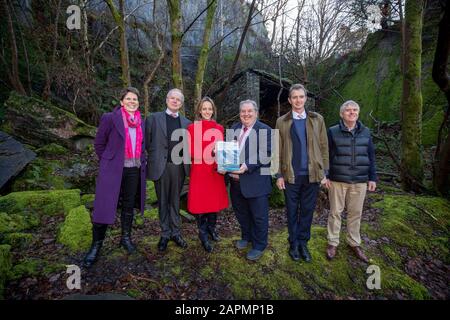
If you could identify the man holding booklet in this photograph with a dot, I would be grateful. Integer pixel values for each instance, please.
(251, 184)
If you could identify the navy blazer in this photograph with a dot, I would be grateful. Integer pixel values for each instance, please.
(253, 183)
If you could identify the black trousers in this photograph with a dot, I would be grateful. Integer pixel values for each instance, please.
(129, 188)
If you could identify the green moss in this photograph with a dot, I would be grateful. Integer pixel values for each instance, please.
(26, 267)
(372, 77)
(415, 222)
(76, 231)
(42, 174)
(151, 193)
(18, 239)
(48, 202)
(88, 200)
(17, 222)
(52, 149)
(50, 123)
(5, 266)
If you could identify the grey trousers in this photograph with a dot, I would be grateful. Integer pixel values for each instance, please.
(168, 190)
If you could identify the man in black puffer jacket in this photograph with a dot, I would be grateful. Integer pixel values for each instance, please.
(352, 173)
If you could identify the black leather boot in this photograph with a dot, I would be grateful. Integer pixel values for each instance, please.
(126, 220)
(212, 219)
(202, 222)
(98, 235)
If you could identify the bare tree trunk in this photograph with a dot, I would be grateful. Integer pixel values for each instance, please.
(13, 75)
(441, 165)
(212, 5)
(87, 48)
(176, 32)
(119, 18)
(49, 74)
(151, 75)
(236, 59)
(411, 104)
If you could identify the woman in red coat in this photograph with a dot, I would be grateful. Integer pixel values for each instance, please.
(207, 192)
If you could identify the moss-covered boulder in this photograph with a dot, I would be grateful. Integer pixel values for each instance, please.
(11, 223)
(52, 149)
(87, 200)
(39, 123)
(372, 77)
(42, 174)
(76, 231)
(48, 202)
(5, 266)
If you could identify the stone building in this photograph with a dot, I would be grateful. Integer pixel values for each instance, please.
(262, 87)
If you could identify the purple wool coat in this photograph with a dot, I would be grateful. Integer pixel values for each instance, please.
(109, 146)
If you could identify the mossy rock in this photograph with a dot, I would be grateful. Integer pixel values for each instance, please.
(18, 240)
(42, 174)
(12, 223)
(52, 149)
(39, 123)
(88, 200)
(5, 266)
(76, 231)
(372, 77)
(44, 202)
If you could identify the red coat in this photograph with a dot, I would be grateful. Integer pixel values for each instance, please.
(207, 191)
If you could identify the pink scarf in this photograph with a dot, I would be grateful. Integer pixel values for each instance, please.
(133, 123)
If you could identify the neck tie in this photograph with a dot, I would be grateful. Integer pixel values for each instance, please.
(242, 135)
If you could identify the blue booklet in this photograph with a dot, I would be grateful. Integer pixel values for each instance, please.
(227, 156)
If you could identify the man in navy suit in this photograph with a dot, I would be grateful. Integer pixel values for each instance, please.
(252, 184)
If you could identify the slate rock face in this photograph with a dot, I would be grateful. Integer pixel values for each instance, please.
(38, 123)
(13, 158)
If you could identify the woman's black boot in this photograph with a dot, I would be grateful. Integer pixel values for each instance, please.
(212, 218)
(98, 235)
(202, 221)
(127, 221)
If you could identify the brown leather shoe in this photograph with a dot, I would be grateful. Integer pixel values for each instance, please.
(360, 254)
(331, 251)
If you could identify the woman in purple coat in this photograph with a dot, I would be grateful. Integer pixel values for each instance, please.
(119, 145)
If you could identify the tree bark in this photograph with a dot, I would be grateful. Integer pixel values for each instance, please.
(176, 34)
(151, 75)
(441, 165)
(13, 74)
(411, 103)
(119, 18)
(212, 5)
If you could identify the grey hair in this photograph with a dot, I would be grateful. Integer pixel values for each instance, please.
(253, 103)
(348, 103)
(177, 91)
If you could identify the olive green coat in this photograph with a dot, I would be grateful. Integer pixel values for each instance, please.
(317, 139)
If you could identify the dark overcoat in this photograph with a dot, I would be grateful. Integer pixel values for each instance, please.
(110, 148)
